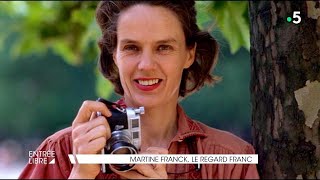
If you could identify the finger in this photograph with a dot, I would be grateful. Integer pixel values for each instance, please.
(132, 174)
(81, 129)
(101, 120)
(156, 150)
(93, 116)
(161, 170)
(97, 132)
(146, 170)
(89, 107)
(93, 146)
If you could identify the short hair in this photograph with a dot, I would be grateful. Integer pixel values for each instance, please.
(207, 49)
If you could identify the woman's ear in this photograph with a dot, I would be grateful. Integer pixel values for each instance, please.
(191, 56)
(114, 57)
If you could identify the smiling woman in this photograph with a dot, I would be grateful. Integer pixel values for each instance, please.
(154, 53)
(153, 56)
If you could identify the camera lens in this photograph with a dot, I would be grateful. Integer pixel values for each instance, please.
(123, 150)
(122, 167)
(120, 143)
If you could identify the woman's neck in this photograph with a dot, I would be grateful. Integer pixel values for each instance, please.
(158, 125)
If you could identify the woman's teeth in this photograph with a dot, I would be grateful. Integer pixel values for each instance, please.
(148, 82)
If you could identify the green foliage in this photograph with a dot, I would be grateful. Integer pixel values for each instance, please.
(104, 88)
(231, 17)
(68, 27)
(65, 27)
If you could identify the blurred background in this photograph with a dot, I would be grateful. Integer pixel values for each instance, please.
(48, 67)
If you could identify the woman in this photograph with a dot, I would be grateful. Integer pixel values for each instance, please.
(153, 53)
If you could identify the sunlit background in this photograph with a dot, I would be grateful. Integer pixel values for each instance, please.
(48, 59)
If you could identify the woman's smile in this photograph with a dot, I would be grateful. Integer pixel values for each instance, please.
(147, 84)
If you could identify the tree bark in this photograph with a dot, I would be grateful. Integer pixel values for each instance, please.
(285, 88)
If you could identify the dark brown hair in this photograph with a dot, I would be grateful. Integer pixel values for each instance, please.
(193, 78)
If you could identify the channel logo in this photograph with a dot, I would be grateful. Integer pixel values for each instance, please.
(41, 157)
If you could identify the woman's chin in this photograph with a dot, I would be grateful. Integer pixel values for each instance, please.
(146, 102)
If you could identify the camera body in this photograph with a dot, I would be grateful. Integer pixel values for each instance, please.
(125, 133)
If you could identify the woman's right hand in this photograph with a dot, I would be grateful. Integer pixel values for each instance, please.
(89, 136)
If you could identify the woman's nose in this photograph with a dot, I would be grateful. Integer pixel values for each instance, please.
(147, 61)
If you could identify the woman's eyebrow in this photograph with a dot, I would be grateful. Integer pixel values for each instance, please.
(164, 41)
(169, 40)
(127, 41)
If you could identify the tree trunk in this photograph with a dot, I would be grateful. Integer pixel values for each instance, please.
(285, 88)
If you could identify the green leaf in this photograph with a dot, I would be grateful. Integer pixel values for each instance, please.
(64, 50)
(232, 22)
(83, 16)
(104, 87)
(28, 45)
(203, 17)
(91, 35)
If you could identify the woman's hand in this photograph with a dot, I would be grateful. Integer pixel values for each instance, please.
(89, 136)
(147, 171)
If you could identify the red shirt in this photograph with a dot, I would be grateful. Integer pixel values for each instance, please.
(206, 140)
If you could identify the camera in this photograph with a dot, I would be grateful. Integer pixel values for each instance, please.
(125, 133)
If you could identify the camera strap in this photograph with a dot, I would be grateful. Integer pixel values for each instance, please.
(110, 104)
(192, 146)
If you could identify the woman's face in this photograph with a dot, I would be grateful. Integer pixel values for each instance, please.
(151, 54)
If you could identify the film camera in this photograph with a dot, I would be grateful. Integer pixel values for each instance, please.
(125, 133)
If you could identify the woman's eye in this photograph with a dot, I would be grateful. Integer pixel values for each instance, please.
(164, 48)
(131, 48)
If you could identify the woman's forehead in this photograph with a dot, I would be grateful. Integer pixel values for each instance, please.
(146, 21)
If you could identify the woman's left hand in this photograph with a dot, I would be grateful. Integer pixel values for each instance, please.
(147, 171)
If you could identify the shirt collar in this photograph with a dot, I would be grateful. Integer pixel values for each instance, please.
(186, 126)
